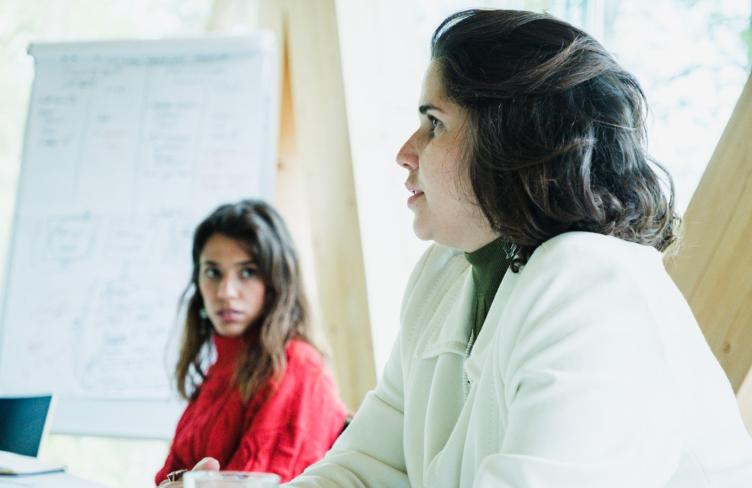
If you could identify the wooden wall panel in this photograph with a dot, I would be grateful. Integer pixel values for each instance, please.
(713, 265)
(315, 163)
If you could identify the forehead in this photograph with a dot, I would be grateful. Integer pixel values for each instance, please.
(432, 90)
(221, 248)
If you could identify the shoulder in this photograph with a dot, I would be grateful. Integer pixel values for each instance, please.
(577, 255)
(589, 246)
(307, 377)
(585, 284)
(581, 308)
(585, 264)
(303, 356)
(305, 370)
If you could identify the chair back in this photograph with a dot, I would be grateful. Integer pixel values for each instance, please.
(22, 423)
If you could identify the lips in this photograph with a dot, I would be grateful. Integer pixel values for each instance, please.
(412, 188)
(229, 315)
(416, 192)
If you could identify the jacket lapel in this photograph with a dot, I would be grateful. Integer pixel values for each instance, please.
(452, 321)
(474, 363)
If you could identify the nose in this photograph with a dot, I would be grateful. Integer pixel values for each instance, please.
(407, 156)
(227, 288)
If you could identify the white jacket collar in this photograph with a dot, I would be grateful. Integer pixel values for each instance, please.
(451, 323)
(491, 324)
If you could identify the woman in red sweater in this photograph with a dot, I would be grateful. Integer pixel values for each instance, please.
(266, 401)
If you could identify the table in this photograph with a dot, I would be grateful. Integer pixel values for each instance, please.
(51, 480)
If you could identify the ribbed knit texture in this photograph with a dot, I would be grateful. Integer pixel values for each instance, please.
(489, 264)
(283, 434)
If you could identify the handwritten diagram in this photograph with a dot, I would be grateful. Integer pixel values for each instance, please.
(128, 146)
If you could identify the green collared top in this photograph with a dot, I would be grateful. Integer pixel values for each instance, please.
(489, 263)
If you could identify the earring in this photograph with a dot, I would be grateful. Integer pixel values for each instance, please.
(202, 313)
(510, 249)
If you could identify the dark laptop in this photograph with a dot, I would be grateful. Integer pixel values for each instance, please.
(22, 423)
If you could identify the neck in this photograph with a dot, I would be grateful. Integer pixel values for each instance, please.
(228, 348)
(474, 241)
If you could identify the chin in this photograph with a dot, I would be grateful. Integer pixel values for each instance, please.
(426, 233)
(231, 331)
(422, 231)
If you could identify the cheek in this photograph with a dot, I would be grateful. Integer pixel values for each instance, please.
(256, 293)
(444, 176)
(455, 178)
(205, 290)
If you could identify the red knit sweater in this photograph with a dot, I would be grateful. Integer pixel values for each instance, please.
(293, 428)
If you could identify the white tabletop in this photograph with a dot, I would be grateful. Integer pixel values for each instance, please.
(52, 480)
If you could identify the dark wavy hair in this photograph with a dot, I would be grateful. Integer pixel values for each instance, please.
(260, 230)
(556, 136)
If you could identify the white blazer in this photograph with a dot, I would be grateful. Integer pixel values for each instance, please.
(589, 372)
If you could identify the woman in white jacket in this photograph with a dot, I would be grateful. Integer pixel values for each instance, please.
(542, 343)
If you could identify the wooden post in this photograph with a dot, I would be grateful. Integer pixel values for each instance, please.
(713, 267)
(315, 163)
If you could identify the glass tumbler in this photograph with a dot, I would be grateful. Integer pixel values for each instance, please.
(229, 479)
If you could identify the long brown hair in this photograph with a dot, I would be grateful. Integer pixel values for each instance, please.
(556, 138)
(260, 230)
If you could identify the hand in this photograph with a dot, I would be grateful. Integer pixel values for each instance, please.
(206, 464)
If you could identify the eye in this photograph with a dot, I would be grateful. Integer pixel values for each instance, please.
(248, 273)
(436, 124)
(212, 273)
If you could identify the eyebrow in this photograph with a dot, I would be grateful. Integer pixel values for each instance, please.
(425, 108)
(249, 262)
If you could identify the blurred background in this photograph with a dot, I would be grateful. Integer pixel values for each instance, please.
(691, 56)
